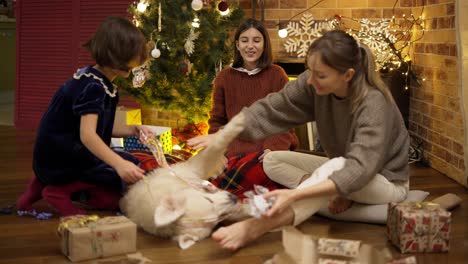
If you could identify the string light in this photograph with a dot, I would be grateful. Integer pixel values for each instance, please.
(142, 5)
(393, 38)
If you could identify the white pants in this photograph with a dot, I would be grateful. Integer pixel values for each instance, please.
(289, 167)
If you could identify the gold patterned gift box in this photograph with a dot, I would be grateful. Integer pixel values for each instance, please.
(90, 237)
(418, 227)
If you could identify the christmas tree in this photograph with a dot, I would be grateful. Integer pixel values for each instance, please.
(189, 41)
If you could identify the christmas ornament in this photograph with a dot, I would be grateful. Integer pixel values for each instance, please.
(197, 5)
(155, 53)
(185, 66)
(223, 6)
(140, 75)
(190, 41)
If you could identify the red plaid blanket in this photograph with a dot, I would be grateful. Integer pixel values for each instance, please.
(242, 173)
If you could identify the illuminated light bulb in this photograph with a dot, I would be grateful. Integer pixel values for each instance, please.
(142, 7)
(176, 147)
(423, 79)
(196, 22)
(406, 87)
(282, 33)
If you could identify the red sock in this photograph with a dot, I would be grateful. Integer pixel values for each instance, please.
(59, 197)
(32, 194)
(103, 199)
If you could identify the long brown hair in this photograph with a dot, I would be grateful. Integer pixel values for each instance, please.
(117, 42)
(267, 56)
(341, 51)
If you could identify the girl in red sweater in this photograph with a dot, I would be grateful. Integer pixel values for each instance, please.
(251, 77)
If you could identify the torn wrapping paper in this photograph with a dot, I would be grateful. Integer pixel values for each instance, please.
(257, 204)
(305, 249)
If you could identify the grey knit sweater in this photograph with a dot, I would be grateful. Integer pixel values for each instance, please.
(373, 140)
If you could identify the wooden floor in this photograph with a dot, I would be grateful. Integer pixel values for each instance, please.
(27, 240)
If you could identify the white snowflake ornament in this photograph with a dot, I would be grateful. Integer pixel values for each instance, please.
(302, 34)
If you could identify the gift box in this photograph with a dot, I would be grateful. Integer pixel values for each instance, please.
(304, 249)
(163, 134)
(128, 116)
(90, 237)
(418, 227)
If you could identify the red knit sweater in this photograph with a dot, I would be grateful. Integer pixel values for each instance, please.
(234, 90)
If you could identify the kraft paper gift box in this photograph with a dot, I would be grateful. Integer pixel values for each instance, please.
(90, 237)
(418, 227)
(305, 249)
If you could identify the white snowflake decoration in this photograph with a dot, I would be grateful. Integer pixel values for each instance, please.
(378, 37)
(190, 41)
(302, 34)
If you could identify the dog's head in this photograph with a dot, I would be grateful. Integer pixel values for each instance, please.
(194, 211)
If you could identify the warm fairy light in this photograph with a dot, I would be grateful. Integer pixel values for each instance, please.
(142, 6)
(176, 147)
(282, 33)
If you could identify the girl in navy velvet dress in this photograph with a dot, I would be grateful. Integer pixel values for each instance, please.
(72, 150)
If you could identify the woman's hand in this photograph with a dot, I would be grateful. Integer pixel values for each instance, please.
(129, 172)
(282, 200)
(200, 141)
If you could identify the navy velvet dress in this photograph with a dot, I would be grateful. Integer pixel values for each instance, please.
(59, 155)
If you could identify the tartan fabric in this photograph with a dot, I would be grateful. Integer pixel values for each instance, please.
(148, 162)
(242, 173)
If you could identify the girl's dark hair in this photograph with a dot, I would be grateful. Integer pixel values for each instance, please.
(340, 51)
(117, 42)
(267, 56)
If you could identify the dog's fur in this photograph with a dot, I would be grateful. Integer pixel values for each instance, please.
(168, 204)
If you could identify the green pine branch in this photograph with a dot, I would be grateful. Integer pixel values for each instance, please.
(169, 88)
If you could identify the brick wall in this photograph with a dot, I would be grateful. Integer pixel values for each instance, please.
(435, 113)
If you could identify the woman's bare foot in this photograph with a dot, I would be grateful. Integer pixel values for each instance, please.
(241, 233)
(238, 234)
(339, 204)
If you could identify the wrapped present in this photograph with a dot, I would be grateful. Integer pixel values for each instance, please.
(90, 237)
(128, 116)
(163, 135)
(304, 249)
(418, 227)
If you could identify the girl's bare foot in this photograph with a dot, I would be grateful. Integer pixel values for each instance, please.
(339, 204)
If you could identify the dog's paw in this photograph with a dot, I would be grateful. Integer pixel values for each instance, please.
(234, 127)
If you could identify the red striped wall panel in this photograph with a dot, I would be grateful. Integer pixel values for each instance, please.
(50, 34)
